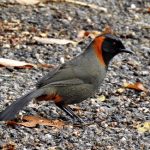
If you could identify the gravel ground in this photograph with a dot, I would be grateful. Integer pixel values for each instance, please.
(115, 118)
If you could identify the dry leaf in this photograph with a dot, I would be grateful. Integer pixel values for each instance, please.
(14, 63)
(136, 86)
(21, 64)
(101, 98)
(8, 146)
(84, 34)
(120, 90)
(29, 2)
(144, 127)
(94, 33)
(54, 41)
(32, 121)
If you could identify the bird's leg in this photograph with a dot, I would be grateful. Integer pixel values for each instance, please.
(77, 117)
(74, 115)
(68, 110)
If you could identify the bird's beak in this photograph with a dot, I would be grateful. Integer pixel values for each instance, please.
(127, 50)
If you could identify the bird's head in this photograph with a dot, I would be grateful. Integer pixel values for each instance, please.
(107, 46)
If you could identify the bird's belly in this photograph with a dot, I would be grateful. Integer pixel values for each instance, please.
(75, 94)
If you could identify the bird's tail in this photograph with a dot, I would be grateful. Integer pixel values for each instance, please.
(10, 112)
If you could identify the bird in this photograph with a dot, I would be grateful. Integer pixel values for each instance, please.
(74, 81)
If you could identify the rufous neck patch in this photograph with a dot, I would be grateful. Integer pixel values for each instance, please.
(97, 45)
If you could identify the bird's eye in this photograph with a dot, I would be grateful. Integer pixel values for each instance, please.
(114, 43)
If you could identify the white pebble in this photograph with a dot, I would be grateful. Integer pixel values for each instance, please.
(62, 60)
(133, 6)
(123, 139)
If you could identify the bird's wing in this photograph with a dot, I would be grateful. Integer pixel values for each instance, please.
(69, 82)
(47, 77)
(64, 72)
